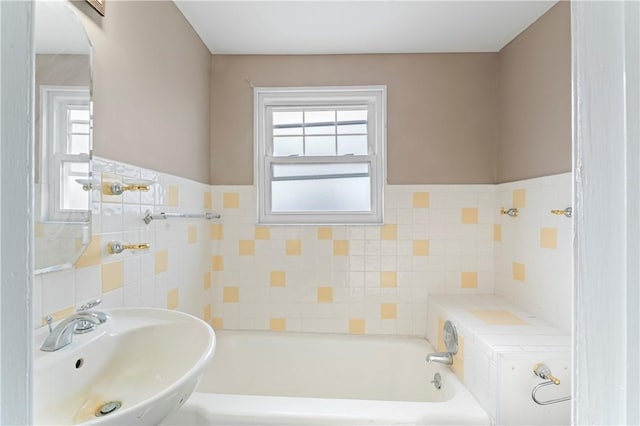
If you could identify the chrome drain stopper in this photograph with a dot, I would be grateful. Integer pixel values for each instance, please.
(108, 408)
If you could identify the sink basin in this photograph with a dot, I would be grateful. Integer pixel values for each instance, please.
(147, 360)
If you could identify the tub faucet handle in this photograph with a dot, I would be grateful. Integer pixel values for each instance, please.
(544, 372)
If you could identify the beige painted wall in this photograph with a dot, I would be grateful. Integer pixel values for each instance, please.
(442, 122)
(151, 88)
(535, 99)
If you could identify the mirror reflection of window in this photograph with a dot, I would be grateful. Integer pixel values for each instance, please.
(66, 133)
(63, 121)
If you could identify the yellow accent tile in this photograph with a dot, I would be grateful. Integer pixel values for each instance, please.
(388, 310)
(497, 232)
(548, 238)
(217, 263)
(458, 359)
(162, 261)
(519, 198)
(262, 233)
(246, 247)
(293, 247)
(92, 255)
(61, 314)
(230, 294)
(497, 317)
(206, 282)
(206, 314)
(356, 326)
(192, 235)
(420, 200)
(278, 278)
(421, 247)
(519, 271)
(173, 195)
(469, 215)
(325, 294)
(207, 203)
(217, 231)
(469, 280)
(277, 324)
(389, 232)
(440, 346)
(388, 279)
(78, 243)
(38, 229)
(112, 276)
(341, 247)
(325, 233)
(106, 180)
(218, 323)
(231, 200)
(172, 299)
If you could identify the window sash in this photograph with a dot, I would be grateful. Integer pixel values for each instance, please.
(268, 100)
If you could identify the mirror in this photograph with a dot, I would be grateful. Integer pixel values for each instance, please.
(63, 126)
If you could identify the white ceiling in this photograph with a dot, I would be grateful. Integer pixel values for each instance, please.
(326, 27)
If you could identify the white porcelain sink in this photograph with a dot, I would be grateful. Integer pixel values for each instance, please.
(149, 360)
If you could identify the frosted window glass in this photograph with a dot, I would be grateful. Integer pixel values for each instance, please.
(321, 188)
(73, 197)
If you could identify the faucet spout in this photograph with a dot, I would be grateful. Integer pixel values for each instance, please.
(61, 335)
(440, 357)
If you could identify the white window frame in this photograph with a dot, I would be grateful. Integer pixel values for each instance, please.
(265, 98)
(54, 147)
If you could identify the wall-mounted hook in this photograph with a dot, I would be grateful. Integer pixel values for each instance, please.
(117, 188)
(115, 247)
(568, 212)
(512, 212)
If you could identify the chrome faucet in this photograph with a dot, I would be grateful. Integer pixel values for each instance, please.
(61, 336)
(450, 337)
(441, 357)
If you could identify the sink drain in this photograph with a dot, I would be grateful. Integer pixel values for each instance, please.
(108, 408)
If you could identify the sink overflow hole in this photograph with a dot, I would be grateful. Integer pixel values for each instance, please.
(79, 363)
(108, 408)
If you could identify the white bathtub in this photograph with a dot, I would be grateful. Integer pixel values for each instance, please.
(267, 378)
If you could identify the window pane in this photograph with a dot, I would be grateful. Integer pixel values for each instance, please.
(78, 144)
(319, 122)
(81, 128)
(79, 114)
(287, 123)
(320, 145)
(345, 129)
(353, 115)
(72, 196)
(321, 188)
(352, 122)
(287, 145)
(353, 144)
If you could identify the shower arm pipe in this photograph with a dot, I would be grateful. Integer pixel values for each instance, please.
(148, 216)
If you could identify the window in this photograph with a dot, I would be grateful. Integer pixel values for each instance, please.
(320, 154)
(66, 141)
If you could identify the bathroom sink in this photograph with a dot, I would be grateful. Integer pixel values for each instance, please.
(139, 367)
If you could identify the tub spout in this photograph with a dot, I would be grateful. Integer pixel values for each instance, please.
(441, 357)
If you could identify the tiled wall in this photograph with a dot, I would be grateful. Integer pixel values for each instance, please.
(534, 250)
(346, 279)
(174, 273)
(352, 279)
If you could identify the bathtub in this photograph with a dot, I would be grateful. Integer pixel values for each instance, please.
(270, 378)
